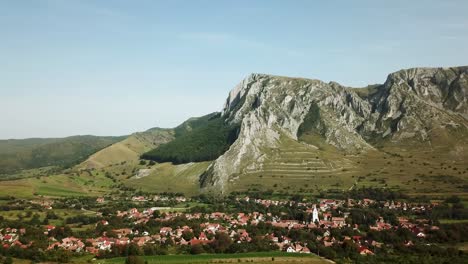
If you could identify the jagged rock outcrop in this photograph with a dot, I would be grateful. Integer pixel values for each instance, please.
(412, 102)
(409, 105)
(270, 106)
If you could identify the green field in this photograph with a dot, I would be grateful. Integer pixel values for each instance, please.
(61, 185)
(260, 257)
(166, 177)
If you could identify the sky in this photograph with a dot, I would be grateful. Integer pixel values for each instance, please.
(76, 67)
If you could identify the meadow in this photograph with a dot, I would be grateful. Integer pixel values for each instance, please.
(256, 257)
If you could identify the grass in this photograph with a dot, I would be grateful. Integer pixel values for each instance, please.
(12, 215)
(61, 185)
(16, 155)
(453, 221)
(256, 257)
(166, 177)
(463, 246)
(129, 149)
(298, 166)
(412, 168)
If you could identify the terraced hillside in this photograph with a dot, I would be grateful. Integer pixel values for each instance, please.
(295, 165)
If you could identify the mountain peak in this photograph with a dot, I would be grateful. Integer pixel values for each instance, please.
(445, 88)
(413, 105)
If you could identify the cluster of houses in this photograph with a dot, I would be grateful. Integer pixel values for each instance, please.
(69, 243)
(415, 208)
(44, 203)
(233, 225)
(155, 198)
(10, 237)
(326, 204)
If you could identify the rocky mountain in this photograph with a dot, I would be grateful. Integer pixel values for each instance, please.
(424, 107)
(282, 135)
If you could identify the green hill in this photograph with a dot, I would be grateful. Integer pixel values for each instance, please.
(22, 154)
(129, 149)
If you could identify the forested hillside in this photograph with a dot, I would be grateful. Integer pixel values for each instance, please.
(198, 139)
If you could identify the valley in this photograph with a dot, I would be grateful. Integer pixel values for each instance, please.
(292, 170)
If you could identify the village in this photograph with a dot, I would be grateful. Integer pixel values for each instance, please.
(310, 227)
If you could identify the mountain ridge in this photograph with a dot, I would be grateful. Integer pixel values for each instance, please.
(292, 133)
(403, 107)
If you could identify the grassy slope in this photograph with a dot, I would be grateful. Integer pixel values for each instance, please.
(367, 91)
(129, 149)
(416, 169)
(61, 185)
(166, 177)
(121, 161)
(295, 166)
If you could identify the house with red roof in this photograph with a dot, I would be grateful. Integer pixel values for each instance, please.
(365, 251)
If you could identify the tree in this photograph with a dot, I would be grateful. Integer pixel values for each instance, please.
(197, 249)
(134, 260)
(187, 235)
(453, 199)
(222, 242)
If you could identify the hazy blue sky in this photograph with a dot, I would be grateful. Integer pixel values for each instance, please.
(115, 67)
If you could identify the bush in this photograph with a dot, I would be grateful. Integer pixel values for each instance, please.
(134, 260)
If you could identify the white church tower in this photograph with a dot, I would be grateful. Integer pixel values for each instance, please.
(315, 217)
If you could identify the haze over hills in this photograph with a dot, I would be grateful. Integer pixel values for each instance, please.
(287, 134)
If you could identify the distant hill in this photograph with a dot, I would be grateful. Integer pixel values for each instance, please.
(129, 149)
(20, 154)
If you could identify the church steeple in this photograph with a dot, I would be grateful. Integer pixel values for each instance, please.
(315, 217)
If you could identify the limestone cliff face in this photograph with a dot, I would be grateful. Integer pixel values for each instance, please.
(269, 106)
(410, 104)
